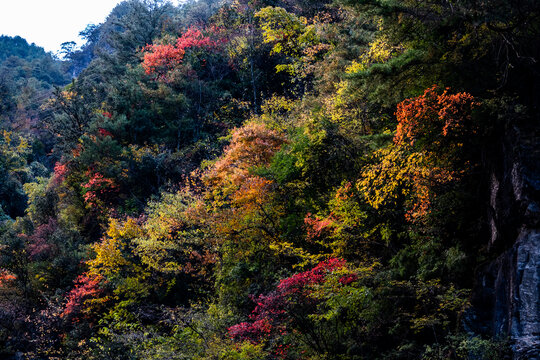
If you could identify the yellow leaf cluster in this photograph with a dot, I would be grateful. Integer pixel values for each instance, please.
(109, 258)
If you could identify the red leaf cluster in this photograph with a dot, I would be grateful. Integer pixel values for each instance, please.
(158, 59)
(275, 312)
(60, 172)
(99, 188)
(107, 114)
(104, 132)
(39, 244)
(317, 226)
(86, 288)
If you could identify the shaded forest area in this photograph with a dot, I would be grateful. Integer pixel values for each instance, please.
(260, 179)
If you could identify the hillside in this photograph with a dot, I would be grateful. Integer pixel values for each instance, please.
(28, 76)
(274, 179)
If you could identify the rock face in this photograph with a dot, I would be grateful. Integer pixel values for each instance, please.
(506, 301)
(526, 317)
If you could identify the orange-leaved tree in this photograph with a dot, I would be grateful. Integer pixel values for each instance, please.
(245, 212)
(252, 146)
(427, 152)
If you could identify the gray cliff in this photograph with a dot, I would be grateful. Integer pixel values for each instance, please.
(506, 300)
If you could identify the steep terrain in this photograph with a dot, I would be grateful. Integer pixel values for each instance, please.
(275, 180)
(507, 296)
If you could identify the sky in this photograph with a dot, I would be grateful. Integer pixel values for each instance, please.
(49, 23)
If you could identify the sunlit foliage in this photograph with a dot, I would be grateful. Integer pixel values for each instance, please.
(260, 179)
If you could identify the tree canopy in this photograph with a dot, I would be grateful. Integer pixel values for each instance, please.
(270, 179)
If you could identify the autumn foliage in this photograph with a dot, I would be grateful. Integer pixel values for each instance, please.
(79, 300)
(317, 226)
(280, 312)
(6, 278)
(427, 151)
(39, 245)
(252, 146)
(60, 172)
(160, 58)
(98, 189)
(263, 180)
(432, 117)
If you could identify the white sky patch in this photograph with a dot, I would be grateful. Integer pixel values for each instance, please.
(49, 23)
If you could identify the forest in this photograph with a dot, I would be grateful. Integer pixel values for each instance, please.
(268, 179)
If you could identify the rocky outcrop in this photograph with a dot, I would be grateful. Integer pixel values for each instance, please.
(525, 321)
(506, 301)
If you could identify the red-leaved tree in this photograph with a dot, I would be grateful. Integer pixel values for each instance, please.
(287, 310)
(82, 297)
(161, 58)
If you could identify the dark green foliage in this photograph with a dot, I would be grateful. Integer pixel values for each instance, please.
(27, 76)
(18, 47)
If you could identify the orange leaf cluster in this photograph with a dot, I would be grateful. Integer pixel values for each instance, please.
(431, 115)
(6, 277)
(431, 131)
(317, 226)
(252, 145)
